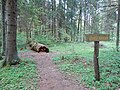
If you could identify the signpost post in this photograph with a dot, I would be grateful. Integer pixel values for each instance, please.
(96, 38)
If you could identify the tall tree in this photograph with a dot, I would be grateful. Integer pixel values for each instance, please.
(85, 13)
(53, 18)
(60, 18)
(68, 18)
(3, 27)
(11, 48)
(0, 45)
(79, 34)
(118, 23)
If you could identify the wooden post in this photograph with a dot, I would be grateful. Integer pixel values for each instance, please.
(96, 38)
(96, 62)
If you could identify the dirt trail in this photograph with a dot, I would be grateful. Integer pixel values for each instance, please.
(50, 77)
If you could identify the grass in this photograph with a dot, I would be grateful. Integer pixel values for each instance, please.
(22, 76)
(19, 77)
(77, 59)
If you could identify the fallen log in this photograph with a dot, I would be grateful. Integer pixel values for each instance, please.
(38, 47)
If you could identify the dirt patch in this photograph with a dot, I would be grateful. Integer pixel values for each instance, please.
(50, 78)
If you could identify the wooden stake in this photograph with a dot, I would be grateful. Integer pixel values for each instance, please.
(96, 38)
(96, 62)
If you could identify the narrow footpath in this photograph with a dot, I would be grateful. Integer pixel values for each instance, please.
(50, 78)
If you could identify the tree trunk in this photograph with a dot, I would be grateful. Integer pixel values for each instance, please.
(117, 38)
(53, 18)
(79, 24)
(59, 19)
(29, 28)
(0, 45)
(3, 27)
(84, 20)
(11, 48)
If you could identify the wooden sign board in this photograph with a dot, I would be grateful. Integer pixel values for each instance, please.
(96, 37)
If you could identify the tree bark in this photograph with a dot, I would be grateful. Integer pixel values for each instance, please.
(11, 48)
(117, 38)
(3, 27)
(84, 29)
(79, 24)
(0, 46)
(37, 46)
(53, 18)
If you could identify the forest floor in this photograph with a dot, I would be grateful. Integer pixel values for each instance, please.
(50, 78)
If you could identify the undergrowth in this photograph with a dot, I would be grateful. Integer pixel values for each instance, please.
(77, 59)
(44, 40)
(21, 41)
(22, 76)
(19, 77)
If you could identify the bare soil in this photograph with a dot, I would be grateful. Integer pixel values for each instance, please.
(49, 76)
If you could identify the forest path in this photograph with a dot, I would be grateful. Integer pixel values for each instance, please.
(50, 78)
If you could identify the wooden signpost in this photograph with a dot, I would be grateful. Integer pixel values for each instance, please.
(96, 38)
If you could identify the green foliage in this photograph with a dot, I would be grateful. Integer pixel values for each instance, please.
(44, 40)
(21, 40)
(64, 36)
(19, 77)
(78, 60)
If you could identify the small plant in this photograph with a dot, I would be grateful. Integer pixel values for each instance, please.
(80, 63)
(19, 77)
